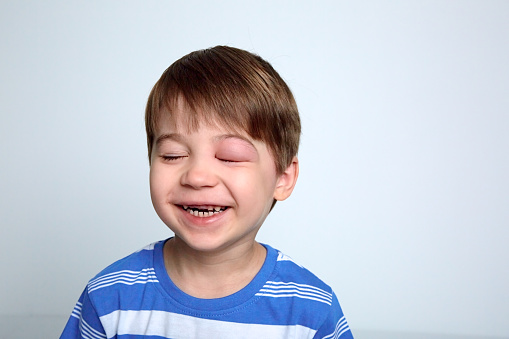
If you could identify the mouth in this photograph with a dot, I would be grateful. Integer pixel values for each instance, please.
(204, 211)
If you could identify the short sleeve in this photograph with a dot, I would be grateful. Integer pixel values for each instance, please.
(335, 325)
(84, 321)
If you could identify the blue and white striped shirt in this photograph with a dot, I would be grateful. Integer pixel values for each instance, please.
(135, 298)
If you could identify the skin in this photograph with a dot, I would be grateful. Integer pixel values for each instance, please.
(231, 179)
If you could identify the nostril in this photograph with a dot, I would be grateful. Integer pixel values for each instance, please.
(199, 176)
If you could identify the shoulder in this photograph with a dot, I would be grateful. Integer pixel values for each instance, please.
(293, 285)
(113, 289)
(311, 297)
(137, 267)
(291, 271)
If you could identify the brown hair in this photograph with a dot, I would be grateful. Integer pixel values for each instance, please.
(232, 87)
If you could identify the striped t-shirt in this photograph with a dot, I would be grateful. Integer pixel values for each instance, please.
(135, 298)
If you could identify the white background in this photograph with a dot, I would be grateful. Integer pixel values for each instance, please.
(402, 203)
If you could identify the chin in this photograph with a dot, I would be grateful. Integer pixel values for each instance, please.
(208, 243)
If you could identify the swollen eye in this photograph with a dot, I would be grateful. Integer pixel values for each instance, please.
(227, 160)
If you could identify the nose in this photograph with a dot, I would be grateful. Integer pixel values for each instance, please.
(199, 174)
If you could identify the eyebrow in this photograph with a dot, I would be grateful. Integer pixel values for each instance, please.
(234, 136)
(171, 136)
(179, 138)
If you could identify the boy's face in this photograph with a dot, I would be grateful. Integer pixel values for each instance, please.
(211, 187)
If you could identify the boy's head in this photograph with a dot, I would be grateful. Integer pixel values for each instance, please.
(233, 88)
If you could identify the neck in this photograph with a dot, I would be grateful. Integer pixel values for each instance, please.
(212, 275)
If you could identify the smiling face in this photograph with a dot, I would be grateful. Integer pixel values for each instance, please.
(211, 187)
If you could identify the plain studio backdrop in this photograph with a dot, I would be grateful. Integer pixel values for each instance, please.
(402, 204)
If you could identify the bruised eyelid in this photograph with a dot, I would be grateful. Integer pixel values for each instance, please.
(233, 138)
(237, 149)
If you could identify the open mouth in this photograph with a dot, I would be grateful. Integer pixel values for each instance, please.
(204, 211)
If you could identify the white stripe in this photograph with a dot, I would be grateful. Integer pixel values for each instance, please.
(297, 291)
(76, 312)
(284, 257)
(149, 247)
(123, 277)
(172, 325)
(279, 285)
(88, 332)
(83, 334)
(129, 283)
(341, 333)
(291, 295)
(341, 327)
(335, 334)
(278, 289)
(127, 273)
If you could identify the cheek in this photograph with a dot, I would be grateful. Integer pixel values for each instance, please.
(258, 185)
(154, 193)
(157, 182)
(152, 179)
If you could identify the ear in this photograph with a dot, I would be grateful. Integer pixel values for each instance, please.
(286, 181)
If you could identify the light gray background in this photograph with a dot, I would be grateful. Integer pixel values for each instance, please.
(402, 202)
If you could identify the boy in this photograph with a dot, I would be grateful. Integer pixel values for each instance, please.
(223, 133)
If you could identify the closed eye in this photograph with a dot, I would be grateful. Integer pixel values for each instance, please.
(226, 160)
(171, 157)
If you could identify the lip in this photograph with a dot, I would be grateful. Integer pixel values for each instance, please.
(199, 203)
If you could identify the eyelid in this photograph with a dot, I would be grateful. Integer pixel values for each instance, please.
(238, 138)
(172, 157)
(229, 160)
(236, 149)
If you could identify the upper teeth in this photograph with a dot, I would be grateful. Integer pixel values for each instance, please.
(203, 211)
